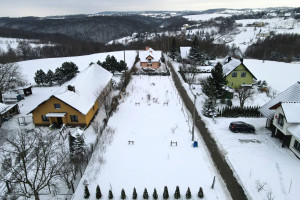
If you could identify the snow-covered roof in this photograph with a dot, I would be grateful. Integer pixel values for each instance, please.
(291, 111)
(230, 66)
(184, 52)
(150, 52)
(10, 94)
(88, 85)
(292, 94)
(295, 130)
(4, 107)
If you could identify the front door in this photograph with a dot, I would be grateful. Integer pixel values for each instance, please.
(59, 121)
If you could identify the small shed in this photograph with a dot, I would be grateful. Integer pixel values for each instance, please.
(7, 111)
(24, 91)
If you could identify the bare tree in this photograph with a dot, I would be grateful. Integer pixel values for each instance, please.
(10, 77)
(243, 94)
(107, 104)
(36, 161)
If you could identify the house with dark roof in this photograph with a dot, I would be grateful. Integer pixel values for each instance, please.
(76, 102)
(283, 117)
(237, 74)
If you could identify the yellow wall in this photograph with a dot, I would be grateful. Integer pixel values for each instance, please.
(235, 82)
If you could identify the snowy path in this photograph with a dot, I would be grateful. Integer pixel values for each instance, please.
(151, 116)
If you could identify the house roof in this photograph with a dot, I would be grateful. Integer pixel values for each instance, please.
(184, 52)
(150, 52)
(4, 107)
(292, 94)
(228, 67)
(295, 130)
(88, 85)
(291, 111)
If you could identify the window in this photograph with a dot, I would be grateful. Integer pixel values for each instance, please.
(45, 119)
(74, 118)
(280, 120)
(57, 106)
(297, 145)
(243, 74)
(149, 60)
(234, 74)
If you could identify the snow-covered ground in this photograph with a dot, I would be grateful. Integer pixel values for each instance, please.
(257, 159)
(151, 115)
(205, 17)
(29, 67)
(14, 42)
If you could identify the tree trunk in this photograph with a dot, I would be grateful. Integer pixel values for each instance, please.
(1, 97)
(36, 195)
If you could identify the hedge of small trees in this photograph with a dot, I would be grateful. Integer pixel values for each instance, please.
(67, 71)
(111, 64)
(237, 111)
(177, 195)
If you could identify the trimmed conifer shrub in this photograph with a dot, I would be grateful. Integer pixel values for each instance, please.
(134, 194)
(155, 196)
(177, 193)
(110, 195)
(200, 193)
(98, 192)
(166, 193)
(123, 195)
(86, 192)
(145, 194)
(188, 194)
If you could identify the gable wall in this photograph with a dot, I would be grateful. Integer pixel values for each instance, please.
(235, 82)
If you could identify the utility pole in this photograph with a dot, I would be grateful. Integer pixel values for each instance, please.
(193, 129)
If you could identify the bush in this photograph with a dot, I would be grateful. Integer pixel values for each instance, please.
(110, 195)
(200, 193)
(134, 194)
(188, 194)
(155, 196)
(166, 193)
(177, 193)
(123, 195)
(145, 194)
(236, 111)
(229, 102)
(98, 192)
(222, 101)
(86, 192)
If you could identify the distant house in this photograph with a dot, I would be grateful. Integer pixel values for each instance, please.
(184, 52)
(11, 97)
(77, 101)
(283, 117)
(149, 58)
(237, 74)
(7, 111)
(264, 34)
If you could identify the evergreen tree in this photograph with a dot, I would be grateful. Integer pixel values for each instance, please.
(195, 55)
(123, 195)
(71, 142)
(188, 194)
(155, 196)
(209, 107)
(110, 195)
(200, 193)
(98, 192)
(134, 194)
(177, 193)
(218, 79)
(145, 194)
(50, 77)
(40, 77)
(69, 70)
(59, 75)
(173, 52)
(166, 193)
(121, 66)
(78, 145)
(86, 192)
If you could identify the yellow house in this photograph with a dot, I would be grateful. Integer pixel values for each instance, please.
(237, 74)
(149, 58)
(77, 101)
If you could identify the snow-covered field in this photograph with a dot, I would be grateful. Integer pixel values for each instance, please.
(151, 115)
(29, 67)
(205, 17)
(14, 42)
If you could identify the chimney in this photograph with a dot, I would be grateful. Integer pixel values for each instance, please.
(147, 48)
(228, 59)
(71, 88)
(242, 60)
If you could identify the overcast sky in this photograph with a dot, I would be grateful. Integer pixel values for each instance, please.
(18, 8)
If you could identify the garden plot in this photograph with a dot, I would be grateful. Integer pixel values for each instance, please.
(150, 115)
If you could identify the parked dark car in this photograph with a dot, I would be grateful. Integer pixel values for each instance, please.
(240, 126)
